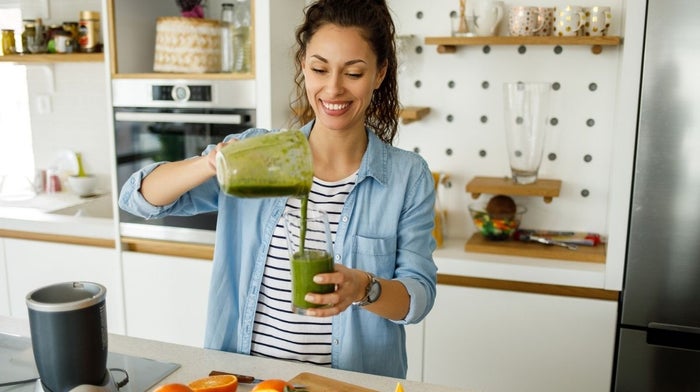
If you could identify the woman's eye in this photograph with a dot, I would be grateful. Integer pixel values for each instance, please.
(355, 75)
(318, 70)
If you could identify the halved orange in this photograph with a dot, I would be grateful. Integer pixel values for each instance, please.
(173, 387)
(273, 385)
(218, 383)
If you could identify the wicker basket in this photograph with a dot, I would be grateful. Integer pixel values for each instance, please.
(188, 45)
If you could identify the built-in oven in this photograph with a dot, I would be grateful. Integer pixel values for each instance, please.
(170, 120)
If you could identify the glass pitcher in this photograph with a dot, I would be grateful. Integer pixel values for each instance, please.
(270, 165)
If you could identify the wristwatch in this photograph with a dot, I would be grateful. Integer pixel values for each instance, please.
(372, 291)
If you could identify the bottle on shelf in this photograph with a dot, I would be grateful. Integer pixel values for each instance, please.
(241, 36)
(227, 37)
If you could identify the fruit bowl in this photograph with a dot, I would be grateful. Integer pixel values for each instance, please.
(495, 227)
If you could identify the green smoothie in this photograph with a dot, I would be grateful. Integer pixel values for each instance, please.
(304, 266)
(265, 190)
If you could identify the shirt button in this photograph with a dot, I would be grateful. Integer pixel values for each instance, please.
(336, 342)
(345, 218)
(337, 257)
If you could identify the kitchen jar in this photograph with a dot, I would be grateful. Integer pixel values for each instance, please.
(8, 42)
(89, 32)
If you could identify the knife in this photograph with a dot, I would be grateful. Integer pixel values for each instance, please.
(547, 241)
(242, 378)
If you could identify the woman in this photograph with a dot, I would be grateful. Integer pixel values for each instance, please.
(379, 200)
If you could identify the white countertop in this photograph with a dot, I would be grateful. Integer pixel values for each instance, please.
(196, 363)
(65, 214)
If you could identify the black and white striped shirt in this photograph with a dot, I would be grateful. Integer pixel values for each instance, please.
(277, 331)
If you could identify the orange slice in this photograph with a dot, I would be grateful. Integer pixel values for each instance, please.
(173, 387)
(273, 385)
(219, 383)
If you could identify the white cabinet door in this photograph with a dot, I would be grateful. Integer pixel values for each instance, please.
(4, 285)
(414, 346)
(166, 297)
(35, 264)
(494, 340)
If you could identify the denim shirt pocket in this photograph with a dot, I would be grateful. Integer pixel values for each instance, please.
(377, 255)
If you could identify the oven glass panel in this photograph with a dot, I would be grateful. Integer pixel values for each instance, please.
(147, 135)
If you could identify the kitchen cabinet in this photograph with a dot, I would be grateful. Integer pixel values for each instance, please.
(4, 282)
(33, 264)
(497, 340)
(53, 58)
(166, 297)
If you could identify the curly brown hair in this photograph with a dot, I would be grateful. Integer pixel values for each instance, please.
(374, 19)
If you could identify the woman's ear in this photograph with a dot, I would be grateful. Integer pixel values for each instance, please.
(380, 75)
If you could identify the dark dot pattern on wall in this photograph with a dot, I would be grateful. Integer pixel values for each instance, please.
(482, 153)
(453, 14)
(587, 158)
(448, 152)
(485, 84)
(558, 49)
(416, 150)
(552, 156)
(592, 86)
(518, 153)
(419, 49)
(553, 121)
(522, 49)
(450, 118)
(590, 122)
(585, 193)
(417, 83)
(556, 86)
(484, 119)
(519, 120)
(486, 49)
(419, 15)
(451, 84)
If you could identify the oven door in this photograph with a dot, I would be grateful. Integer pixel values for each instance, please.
(147, 135)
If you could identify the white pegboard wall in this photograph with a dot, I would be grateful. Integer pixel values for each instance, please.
(463, 134)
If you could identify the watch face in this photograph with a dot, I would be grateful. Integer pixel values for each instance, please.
(374, 291)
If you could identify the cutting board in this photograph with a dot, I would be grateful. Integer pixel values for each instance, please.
(316, 383)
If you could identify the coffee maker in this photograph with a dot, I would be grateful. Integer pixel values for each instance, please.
(68, 325)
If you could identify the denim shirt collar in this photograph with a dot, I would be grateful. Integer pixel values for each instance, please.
(374, 161)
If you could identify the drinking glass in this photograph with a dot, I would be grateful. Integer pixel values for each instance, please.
(526, 106)
(310, 253)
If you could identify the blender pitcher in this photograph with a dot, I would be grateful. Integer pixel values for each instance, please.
(270, 165)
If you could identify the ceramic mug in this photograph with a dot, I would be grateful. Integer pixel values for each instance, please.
(568, 20)
(524, 21)
(486, 15)
(546, 17)
(597, 21)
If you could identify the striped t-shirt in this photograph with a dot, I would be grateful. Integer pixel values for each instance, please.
(277, 331)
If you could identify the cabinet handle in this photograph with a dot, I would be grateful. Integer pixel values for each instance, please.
(179, 117)
(669, 335)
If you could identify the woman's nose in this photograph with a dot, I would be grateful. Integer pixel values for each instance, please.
(335, 84)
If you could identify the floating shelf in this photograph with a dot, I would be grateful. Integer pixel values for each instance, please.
(54, 58)
(590, 254)
(191, 76)
(548, 189)
(450, 44)
(410, 114)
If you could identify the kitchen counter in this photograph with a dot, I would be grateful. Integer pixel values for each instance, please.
(91, 219)
(196, 363)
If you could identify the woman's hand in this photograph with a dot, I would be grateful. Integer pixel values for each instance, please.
(211, 157)
(350, 286)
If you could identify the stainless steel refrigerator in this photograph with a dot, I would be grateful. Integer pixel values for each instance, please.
(658, 345)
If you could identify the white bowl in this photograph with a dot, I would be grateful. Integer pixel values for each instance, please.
(82, 186)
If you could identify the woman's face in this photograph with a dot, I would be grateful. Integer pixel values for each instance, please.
(340, 74)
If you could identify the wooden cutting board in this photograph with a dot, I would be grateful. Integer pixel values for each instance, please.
(316, 383)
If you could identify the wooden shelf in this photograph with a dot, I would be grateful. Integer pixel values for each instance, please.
(590, 254)
(53, 58)
(410, 114)
(450, 44)
(188, 76)
(548, 189)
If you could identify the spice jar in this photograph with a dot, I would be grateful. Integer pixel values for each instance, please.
(29, 31)
(8, 42)
(89, 32)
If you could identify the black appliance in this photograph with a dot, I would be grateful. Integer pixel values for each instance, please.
(658, 345)
(170, 120)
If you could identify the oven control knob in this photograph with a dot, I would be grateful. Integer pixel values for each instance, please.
(180, 93)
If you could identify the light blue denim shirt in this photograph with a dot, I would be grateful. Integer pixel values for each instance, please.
(385, 228)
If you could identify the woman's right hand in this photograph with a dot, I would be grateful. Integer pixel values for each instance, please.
(211, 157)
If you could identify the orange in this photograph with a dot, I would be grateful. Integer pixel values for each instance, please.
(174, 387)
(219, 383)
(273, 385)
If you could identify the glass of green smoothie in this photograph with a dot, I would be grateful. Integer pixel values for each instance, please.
(310, 253)
(273, 164)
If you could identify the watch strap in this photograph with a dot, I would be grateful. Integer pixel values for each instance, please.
(372, 280)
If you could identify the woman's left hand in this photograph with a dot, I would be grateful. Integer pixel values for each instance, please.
(350, 286)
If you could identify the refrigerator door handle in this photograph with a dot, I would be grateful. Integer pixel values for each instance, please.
(669, 335)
